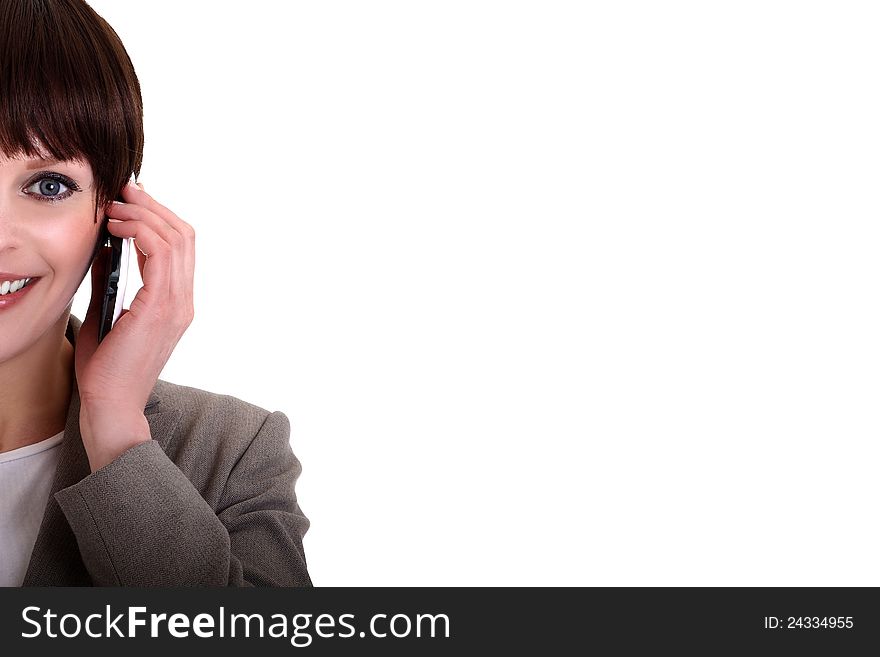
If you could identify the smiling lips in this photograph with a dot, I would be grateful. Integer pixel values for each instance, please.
(12, 297)
(13, 286)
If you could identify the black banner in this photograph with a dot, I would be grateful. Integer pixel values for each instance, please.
(435, 621)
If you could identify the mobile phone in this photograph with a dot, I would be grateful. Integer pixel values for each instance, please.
(115, 279)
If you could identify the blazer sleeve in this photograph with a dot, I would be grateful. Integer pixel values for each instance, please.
(139, 522)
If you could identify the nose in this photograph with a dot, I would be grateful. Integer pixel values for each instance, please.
(9, 237)
(10, 217)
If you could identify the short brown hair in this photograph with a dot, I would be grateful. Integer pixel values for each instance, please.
(68, 90)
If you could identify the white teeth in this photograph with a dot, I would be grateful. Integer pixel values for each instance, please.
(13, 286)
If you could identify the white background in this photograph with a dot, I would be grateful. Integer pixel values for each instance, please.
(553, 293)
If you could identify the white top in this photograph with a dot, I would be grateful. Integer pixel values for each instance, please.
(26, 477)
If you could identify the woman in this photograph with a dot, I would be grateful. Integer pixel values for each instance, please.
(109, 475)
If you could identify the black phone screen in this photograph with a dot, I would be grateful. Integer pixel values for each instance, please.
(110, 281)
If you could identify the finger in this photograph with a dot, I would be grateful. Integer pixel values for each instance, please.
(132, 212)
(173, 298)
(139, 196)
(159, 255)
(184, 268)
(140, 205)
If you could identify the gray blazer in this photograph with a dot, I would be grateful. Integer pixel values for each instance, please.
(209, 501)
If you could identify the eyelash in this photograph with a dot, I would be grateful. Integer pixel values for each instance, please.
(64, 180)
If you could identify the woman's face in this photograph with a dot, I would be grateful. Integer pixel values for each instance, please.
(47, 232)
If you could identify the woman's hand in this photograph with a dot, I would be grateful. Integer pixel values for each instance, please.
(115, 378)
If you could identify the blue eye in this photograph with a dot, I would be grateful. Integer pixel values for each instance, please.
(50, 187)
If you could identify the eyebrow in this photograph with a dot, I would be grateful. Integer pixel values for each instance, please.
(36, 164)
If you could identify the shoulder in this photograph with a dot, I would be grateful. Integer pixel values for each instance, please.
(207, 433)
(197, 406)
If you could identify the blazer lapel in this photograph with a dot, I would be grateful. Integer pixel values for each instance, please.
(55, 560)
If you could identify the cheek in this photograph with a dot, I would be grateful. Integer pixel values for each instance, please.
(67, 243)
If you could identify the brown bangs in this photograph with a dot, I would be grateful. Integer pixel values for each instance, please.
(68, 91)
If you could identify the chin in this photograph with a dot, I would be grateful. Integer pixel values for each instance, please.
(21, 326)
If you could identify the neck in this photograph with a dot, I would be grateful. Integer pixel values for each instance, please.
(38, 384)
